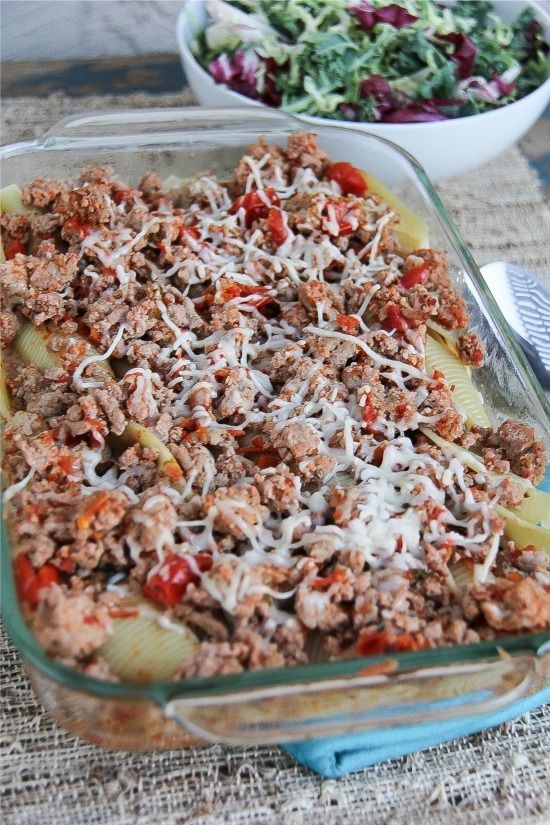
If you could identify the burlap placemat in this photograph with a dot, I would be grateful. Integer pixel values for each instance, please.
(500, 775)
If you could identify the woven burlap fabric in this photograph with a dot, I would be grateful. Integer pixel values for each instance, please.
(500, 775)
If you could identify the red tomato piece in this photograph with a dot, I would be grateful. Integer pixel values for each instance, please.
(349, 179)
(30, 582)
(80, 229)
(190, 232)
(122, 613)
(415, 275)
(323, 582)
(268, 459)
(13, 248)
(369, 413)
(343, 211)
(394, 319)
(168, 584)
(255, 205)
(276, 229)
(347, 322)
(121, 195)
(372, 642)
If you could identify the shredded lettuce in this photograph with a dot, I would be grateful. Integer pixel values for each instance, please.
(436, 61)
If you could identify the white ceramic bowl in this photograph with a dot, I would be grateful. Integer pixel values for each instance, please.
(444, 148)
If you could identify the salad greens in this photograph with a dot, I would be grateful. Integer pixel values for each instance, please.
(396, 62)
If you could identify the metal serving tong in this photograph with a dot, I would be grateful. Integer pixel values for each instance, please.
(525, 303)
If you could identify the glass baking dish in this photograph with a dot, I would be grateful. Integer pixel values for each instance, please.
(303, 702)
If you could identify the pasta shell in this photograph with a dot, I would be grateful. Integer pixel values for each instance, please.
(5, 406)
(522, 523)
(535, 507)
(138, 434)
(465, 394)
(10, 204)
(31, 346)
(524, 532)
(10, 200)
(140, 649)
(411, 231)
(462, 575)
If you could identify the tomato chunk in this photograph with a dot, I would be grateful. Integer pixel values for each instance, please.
(276, 229)
(347, 322)
(189, 232)
(415, 275)
(13, 248)
(344, 212)
(255, 205)
(168, 584)
(372, 642)
(79, 228)
(394, 319)
(369, 413)
(349, 179)
(29, 582)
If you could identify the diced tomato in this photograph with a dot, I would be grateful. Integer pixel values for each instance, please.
(190, 232)
(435, 511)
(378, 455)
(189, 424)
(372, 642)
(268, 459)
(349, 179)
(343, 210)
(394, 319)
(168, 585)
(66, 464)
(369, 413)
(68, 565)
(96, 503)
(79, 228)
(276, 229)
(255, 205)
(347, 322)
(324, 582)
(414, 276)
(121, 195)
(13, 248)
(237, 290)
(29, 582)
(122, 613)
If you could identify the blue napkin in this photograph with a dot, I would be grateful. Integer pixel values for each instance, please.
(340, 755)
(343, 754)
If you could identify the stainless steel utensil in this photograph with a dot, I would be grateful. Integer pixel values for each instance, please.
(525, 303)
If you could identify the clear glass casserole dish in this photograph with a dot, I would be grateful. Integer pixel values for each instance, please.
(303, 702)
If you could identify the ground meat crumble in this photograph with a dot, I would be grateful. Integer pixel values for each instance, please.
(221, 421)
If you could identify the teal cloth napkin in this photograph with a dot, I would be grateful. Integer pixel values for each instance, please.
(340, 755)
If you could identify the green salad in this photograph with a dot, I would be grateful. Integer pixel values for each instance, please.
(377, 61)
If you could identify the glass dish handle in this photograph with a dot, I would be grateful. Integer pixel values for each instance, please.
(108, 125)
(368, 701)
